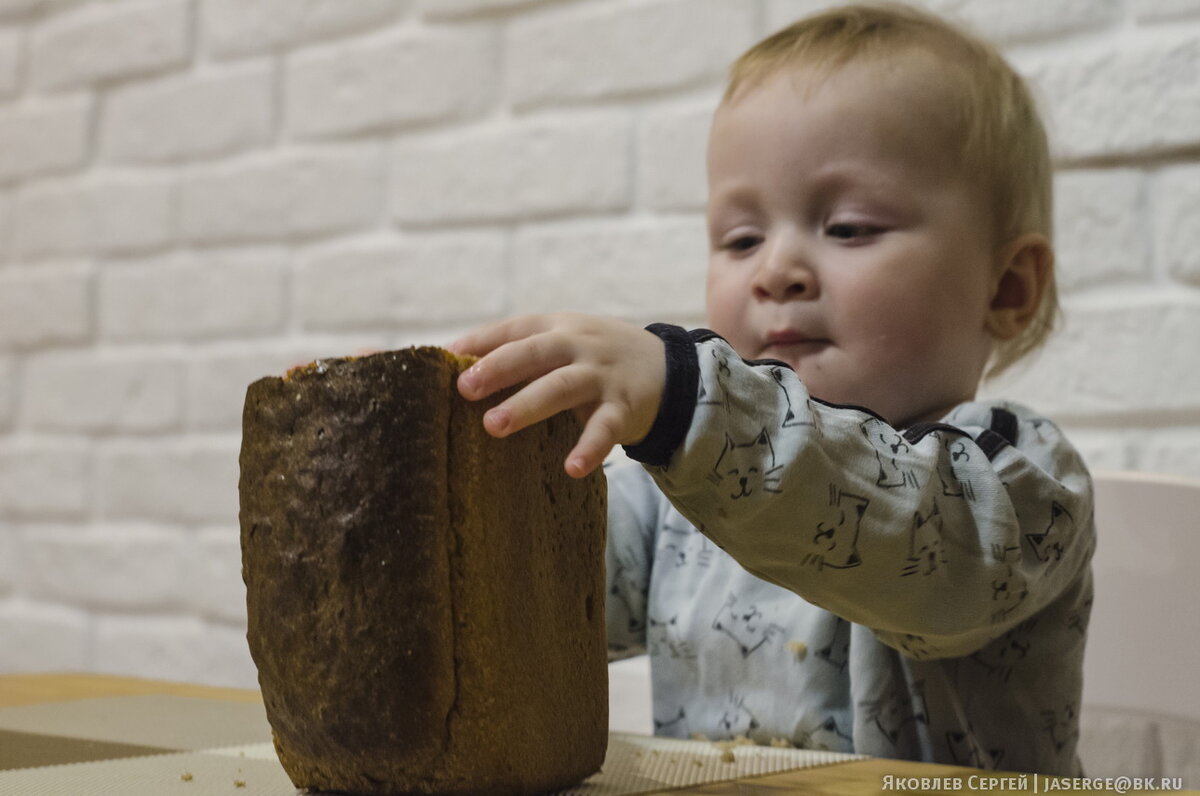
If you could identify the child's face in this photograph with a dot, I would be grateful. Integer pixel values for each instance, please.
(845, 244)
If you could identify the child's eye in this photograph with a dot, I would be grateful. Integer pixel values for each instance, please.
(851, 231)
(743, 243)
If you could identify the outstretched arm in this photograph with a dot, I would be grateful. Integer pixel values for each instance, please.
(610, 373)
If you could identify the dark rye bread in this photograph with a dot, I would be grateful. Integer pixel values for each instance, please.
(425, 602)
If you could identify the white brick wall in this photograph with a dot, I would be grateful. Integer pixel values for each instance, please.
(196, 193)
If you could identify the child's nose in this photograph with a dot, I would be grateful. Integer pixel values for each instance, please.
(785, 275)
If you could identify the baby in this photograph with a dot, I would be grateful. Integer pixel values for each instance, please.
(828, 539)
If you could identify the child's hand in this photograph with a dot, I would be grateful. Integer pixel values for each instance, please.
(609, 372)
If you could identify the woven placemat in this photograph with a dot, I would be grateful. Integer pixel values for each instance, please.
(163, 745)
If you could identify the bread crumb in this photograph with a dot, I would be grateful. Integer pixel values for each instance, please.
(782, 743)
(699, 736)
(727, 756)
(186, 776)
(798, 648)
(239, 783)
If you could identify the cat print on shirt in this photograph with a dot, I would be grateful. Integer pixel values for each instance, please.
(794, 416)
(1060, 725)
(1009, 589)
(626, 590)
(956, 455)
(1048, 545)
(890, 451)
(836, 537)
(926, 553)
(900, 708)
(747, 468)
(716, 395)
(674, 727)
(836, 652)
(746, 625)
(826, 736)
(685, 547)
(1000, 656)
(663, 639)
(965, 750)
(736, 719)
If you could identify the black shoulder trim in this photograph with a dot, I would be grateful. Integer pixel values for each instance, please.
(915, 434)
(678, 399)
(1005, 424)
(853, 407)
(703, 335)
(991, 443)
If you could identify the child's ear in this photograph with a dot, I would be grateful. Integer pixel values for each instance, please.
(1025, 268)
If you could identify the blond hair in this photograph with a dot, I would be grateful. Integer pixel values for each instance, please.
(1003, 142)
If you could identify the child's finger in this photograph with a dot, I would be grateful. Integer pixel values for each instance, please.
(601, 432)
(560, 389)
(514, 363)
(485, 339)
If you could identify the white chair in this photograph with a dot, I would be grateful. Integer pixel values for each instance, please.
(629, 708)
(1141, 687)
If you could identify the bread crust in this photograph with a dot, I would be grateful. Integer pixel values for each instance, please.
(425, 602)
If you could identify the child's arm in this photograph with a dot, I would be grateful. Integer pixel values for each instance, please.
(940, 538)
(609, 372)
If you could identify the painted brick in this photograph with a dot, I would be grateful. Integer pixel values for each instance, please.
(214, 576)
(246, 27)
(671, 158)
(106, 215)
(418, 282)
(1098, 102)
(108, 566)
(1101, 449)
(82, 391)
(1097, 364)
(182, 481)
(6, 226)
(300, 193)
(107, 41)
(194, 296)
(23, 8)
(155, 647)
(8, 391)
(178, 118)
(1157, 10)
(419, 77)
(10, 63)
(446, 9)
(41, 638)
(44, 479)
(514, 171)
(48, 305)
(1169, 450)
(611, 50)
(1177, 233)
(1002, 23)
(639, 271)
(226, 657)
(217, 381)
(781, 13)
(44, 138)
(1098, 220)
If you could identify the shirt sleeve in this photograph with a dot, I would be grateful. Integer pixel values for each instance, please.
(940, 538)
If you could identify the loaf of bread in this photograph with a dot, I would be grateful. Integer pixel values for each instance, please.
(425, 602)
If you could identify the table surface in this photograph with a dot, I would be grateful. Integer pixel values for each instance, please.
(844, 778)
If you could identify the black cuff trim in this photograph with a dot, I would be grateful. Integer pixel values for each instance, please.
(678, 400)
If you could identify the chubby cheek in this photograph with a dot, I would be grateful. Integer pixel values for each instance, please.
(726, 300)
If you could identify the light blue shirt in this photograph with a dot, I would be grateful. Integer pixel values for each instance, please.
(920, 593)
